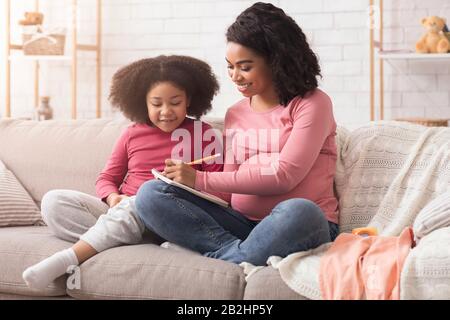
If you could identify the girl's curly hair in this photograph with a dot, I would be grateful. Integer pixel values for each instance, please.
(271, 33)
(131, 83)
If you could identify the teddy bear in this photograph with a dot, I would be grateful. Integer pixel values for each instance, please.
(32, 19)
(434, 41)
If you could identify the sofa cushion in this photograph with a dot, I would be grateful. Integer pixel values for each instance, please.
(147, 271)
(57, 154)
(426, 271)
(266, 284)
(21, 247)
(16, 206)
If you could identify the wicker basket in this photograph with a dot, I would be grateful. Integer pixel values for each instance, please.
(427, 122)
(43, 43)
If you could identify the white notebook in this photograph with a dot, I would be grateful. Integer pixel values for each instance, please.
(201, 194)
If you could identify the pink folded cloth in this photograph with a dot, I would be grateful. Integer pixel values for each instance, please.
(358, 267)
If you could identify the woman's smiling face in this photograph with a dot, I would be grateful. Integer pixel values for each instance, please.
(248, 70)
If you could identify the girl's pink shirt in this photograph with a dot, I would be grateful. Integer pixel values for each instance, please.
(283, 153)
(141, 148)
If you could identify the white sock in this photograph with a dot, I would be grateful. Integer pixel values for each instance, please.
(171, 245)
(40, 275)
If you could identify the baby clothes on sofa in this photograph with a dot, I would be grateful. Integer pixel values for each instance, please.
(355, 267)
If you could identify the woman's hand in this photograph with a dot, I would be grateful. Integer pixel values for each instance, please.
(180, 172)
(114, 198)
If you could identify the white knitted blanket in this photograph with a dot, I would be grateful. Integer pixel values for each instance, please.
(386, 173)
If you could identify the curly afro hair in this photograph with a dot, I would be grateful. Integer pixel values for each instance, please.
(271, 33)
(131, 83)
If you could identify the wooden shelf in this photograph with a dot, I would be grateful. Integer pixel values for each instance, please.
(389, 55)
(40, 58)
(378, 54)
(71, 57)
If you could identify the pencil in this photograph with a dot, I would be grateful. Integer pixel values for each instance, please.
(203, 159)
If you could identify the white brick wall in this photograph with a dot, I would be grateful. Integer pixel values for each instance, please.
(336, 29)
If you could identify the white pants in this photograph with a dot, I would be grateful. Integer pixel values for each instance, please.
(73, 216)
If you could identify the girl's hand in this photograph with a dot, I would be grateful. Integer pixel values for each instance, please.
(114, 199)
(180, 172)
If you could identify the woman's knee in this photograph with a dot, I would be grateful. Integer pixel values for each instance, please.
(301, 212)
(303, 223)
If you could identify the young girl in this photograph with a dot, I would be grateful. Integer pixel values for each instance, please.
(156, 94)
(280, 154)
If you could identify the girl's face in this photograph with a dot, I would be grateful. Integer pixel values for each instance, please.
(248, 71)
(167, 106)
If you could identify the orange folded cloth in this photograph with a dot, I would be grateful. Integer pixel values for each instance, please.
(356, 267)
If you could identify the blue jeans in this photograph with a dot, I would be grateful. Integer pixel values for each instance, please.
(223, 233)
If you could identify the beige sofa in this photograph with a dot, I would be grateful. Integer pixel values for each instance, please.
(69, 154)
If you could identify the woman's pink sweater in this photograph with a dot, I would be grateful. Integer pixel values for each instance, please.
(285, 152)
